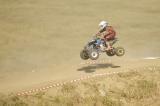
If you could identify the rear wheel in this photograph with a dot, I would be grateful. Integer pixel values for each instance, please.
(93, 54)
(84, 55)
(119, 51)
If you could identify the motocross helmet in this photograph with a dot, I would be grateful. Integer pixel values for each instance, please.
(103, 24)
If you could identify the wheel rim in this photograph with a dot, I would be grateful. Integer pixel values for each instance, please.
(120, 51)
(94, 54)
(85, 55)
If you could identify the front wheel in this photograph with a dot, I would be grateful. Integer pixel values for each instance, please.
(119, 51)
(93, 54)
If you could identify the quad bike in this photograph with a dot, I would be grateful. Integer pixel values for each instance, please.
(92, 49)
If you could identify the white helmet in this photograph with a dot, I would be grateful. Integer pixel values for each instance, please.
(103, 24)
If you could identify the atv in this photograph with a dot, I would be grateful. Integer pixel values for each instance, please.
(93, 49)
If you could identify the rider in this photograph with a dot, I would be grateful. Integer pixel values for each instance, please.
(107, 33)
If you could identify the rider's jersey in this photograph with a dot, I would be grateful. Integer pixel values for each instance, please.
(108, 33)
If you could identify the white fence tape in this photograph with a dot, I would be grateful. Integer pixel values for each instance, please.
(33, 91)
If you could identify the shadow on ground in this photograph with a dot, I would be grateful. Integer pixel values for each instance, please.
(92, 68)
